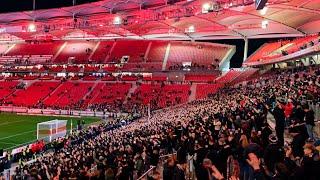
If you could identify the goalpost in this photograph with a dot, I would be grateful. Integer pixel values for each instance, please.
(50, 130)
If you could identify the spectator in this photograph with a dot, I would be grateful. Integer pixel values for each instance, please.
(309, 119)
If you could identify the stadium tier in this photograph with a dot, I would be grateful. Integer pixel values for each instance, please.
(161, 95)
(7, 88)
(74, 51)
(160, 90)
(86, 93)
(31, 95)
(135, 54)
(201, 54)
(284, 50)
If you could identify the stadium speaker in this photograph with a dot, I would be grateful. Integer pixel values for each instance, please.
(125, 22)
(260, 4)
(171, 2)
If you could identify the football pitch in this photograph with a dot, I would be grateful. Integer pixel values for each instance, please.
(16, 130)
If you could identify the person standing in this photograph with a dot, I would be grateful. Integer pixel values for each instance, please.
(309, 120)
(279, 117)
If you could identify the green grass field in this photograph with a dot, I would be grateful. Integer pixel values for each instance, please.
(18, 130)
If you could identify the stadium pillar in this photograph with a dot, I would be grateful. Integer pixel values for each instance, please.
(245, 53)
(34, 4)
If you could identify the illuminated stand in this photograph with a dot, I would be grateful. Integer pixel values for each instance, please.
(51, 130)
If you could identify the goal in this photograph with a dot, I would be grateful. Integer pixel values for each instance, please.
(50, 130)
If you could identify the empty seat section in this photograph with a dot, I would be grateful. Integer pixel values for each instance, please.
(68, 95)
(33, 94)
(297, 43)
(93, 94)
(263, 51)
(73, 69)
(160, 96)
(102, 51)
(35, 49)
(109, 94)
(55, 69)
(157, 51)
(229, 76)
(4, 48)
(7, 87)
(197, 53)
(203, 90)
(79, 51)
(200, 77)
(245, 75)
(134, 49)
(91, 68)
(151, 66)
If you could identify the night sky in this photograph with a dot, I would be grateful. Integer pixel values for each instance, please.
(23, 5)
(254, 44)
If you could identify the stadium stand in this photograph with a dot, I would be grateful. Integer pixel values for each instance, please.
(135, 50)
(157, 51)
(68, 95)
(76, 52)
(35, 92)
(106, 95)
(169, 100)
(203, 90)
(102, 52)
(7, 88)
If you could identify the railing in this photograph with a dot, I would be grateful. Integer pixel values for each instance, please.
(147, 173)
(190, 173)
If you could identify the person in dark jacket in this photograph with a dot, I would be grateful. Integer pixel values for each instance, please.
(309, 119)
(310, 165)
(208, 171)
(274, 153)
(298, 114)
(279, 117)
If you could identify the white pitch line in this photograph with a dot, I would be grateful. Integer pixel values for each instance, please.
(10, 122)
(7, 137)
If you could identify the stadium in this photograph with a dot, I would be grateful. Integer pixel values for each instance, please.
(160, 89)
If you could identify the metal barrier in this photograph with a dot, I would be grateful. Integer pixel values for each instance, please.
(190, 174)
(147, 173)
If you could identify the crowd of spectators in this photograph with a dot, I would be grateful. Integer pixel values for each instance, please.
(226, 136)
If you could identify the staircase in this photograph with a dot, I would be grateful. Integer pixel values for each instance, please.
(46, 97)
(89, 92)
(131, 91)
(94, 50)
(193, 89)
(59, 51)
(147, 51)
(110, 51)
(166, 56)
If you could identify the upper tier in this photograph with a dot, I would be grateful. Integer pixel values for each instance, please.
(129, 54)
(280, 51)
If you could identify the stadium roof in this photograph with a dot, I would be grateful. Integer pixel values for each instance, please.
(162, 19)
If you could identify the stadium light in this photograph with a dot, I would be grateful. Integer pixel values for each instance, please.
(263, 11)
(206, 8)
(32, 28)
(117, 20)
(190, 29)
(264, 24)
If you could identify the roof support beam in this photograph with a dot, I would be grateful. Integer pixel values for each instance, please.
(269, 19)
(227, 27)
(298, 8)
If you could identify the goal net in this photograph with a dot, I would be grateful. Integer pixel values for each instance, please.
(51, 130)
